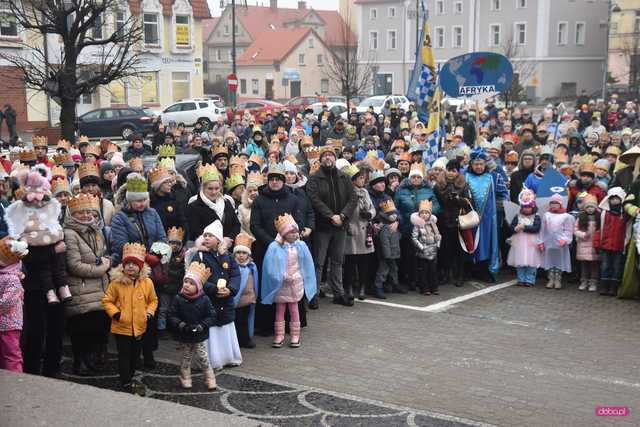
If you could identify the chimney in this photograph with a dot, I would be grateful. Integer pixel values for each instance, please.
(273, 4)
(302, 5)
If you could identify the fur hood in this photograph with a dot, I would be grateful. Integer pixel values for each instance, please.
(301, 182)
(117, 275)
(459, 182)
(419, 222)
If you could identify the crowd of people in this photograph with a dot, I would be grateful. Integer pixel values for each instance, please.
(214, 235)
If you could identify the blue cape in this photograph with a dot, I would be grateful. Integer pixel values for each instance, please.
(275, 264)
(484, 201)
(244, 276)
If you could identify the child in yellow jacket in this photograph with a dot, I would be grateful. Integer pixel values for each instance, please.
(130, 301)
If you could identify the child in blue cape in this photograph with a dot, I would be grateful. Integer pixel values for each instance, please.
(288, 274)
(245, 299)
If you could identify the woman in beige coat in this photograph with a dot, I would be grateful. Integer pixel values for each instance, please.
(87, 266)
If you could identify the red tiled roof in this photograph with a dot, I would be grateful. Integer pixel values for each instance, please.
(273, 46)
(134, 6)
(207, 27)
(258, 19)
(200, 8)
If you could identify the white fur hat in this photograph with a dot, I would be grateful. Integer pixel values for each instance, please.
(215, 228)
(342, 163)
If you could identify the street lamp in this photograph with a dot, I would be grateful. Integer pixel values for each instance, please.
(611, 8)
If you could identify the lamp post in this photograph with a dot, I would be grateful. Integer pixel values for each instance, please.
(232, 94)
(611, 7)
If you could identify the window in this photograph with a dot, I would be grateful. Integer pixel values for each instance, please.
(226, 29)
(183, 31)
(230, 55)
(150, 88)
(301, 59)
(521, 33)
(205, 66)
(324, 85)
(495, 36)
(373, 13)
(8, 23)
(636, 23)
(439, 37)
(255, 84)
(439, 7)
(188, 106)
(496, 4)
(110, 113)
(373, 40)
(457, 36)
(218, 77)
(218, 55)
(320, 59)
(85, 98)
(521, 4)
(203, 105)
(457, 8)
(392, 39)
(391, 12)
(151, 33)
(311, 42)
(563, 29)
(97, 28)
(243, 86)
(120, 20)
(581, 27)
(118, 92)
(180, 85)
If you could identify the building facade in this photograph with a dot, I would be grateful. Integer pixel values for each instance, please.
(170, 61)
(559, 44)
(624, 45)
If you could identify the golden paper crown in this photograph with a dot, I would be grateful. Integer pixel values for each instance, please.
(40, 141)
(94, 150)
(83, 201)
(60, 185)
(274, 147)
(136, 164)
(255, 179)
(63, 144)
(60, 159)
(87, 169)
(419, 166)
(387, 206)
(28, 156)
(243, 239)
(220, 150)
(405, 157)
(167, 163)
(307, 141)
(175, 234)
(167, 150)
(58, 171)
(83, 139)
(335, 143)
(312, 153)
(283, 221)
(157, 174)
(209, 173)
(198, 270)
(134, 250)
(237, 166)
(255, 158)
(7, 256)
(233, 181)
(587, 167)
(112, 148)
(425, 205)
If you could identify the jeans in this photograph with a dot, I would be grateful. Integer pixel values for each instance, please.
(128, 354)
(330, 243)
(387, 269)
(164, 302)
(612, 265)
(526, 274)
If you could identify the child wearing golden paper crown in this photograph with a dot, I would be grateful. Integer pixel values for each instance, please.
(175, 272)
(130, 301)
(288, 274)
(426, 238)
(245, 299)
(190, 317)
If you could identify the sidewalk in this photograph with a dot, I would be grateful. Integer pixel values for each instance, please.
(29, 400)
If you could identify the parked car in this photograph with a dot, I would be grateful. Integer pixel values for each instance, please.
(337, 108)
(192, 111)
(378, 102)
(254, 106)
(300, 103)
(115, 122)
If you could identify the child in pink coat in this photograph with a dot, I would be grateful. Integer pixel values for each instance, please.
(586, 253)
(555, 238)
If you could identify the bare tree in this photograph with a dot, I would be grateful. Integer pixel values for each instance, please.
(88, 53)
(523, 70)
(631, 53)
(353, 74)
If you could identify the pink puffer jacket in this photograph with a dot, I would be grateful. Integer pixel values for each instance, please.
(584, 243)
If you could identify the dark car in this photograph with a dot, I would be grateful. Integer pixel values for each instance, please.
(254, 106)
(300, 103)
(116, 122)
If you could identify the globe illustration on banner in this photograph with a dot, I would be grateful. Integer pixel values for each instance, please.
(477, 75)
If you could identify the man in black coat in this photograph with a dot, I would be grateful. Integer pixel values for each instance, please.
(334, 201)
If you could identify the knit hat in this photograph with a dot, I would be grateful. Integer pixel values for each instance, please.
(439, 163)
(158, 176)
(11, 251)
(215, 229)
(527, 198)
(290, 167)
(602, 164)
(136, 187)
(117, 161)
(392, 171)
(35, 185)
(243, 243)
(556, 198)
(105, 167)
(135, 253)
(285, 224)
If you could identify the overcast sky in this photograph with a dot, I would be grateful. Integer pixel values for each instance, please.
(214, 5)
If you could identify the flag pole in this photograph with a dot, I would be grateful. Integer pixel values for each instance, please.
(477, 123)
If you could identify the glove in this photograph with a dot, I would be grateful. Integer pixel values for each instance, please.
(541, 247)
(152, 260)
(196, 329)
(117, 316)
(562, 243)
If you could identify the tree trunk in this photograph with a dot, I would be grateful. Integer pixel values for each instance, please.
(68, 118)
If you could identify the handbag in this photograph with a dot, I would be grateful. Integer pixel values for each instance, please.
(468, 220)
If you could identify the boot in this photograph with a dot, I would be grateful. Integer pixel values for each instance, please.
(210, 379)
(185, 377)
(380, 293)
(583, 285)
(278, 334)
(65, 293)
(593, 285)
(605, 287)
(360, 292)
(613, 289)
(52, 298)
(79, 368)
(313, 304)
(558, 280)
(294, 329)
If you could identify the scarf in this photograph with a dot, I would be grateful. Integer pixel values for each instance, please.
(198, 293)
(217, 206)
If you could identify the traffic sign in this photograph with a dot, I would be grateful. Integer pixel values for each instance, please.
(232, 82)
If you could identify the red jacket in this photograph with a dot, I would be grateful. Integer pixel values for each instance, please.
(575, 188)
(612, 232)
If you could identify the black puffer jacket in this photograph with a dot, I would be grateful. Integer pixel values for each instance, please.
(191, 312)
(200, 215)
(331, 193)
(171, 211)
(267, 207)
